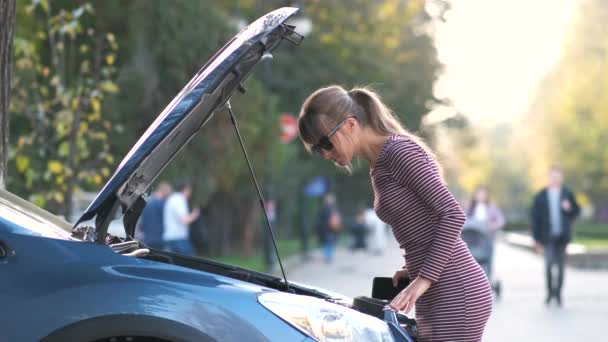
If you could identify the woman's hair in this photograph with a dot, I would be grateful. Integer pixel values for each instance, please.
(328, 106)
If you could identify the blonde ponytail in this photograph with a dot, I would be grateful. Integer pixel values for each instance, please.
(327, 106)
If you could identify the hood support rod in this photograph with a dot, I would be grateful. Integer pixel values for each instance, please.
(257, 187)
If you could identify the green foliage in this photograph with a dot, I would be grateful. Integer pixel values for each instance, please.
(385, 44)
(572, 106)
(64, 71)
(591, 230)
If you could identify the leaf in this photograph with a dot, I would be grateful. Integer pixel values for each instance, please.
(85, 67)
(110, 58)
(102, 136)
(38, 200)
(61, 128)
(23, 163)
(55, 166)
(45, 5)
(112, 41)
(58, 197)
(29, 178)
(64, 149)
(78, 12)
(83, 127)
(95, 104)
(110, 37)
(55, 80)
(94, 117)
(109, 87)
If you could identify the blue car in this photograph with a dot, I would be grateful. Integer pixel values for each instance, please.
(60, 282)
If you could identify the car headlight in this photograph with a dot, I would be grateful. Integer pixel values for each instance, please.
(323, 320)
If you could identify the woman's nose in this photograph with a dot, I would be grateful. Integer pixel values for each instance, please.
(325, 154)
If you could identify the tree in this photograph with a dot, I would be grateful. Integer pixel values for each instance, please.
(64, 70)
(570, 110)
(386, 44)
(7, 24)
(161, 53)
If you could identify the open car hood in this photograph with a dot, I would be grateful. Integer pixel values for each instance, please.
(207, 91)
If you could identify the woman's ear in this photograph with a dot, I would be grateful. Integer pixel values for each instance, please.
(352, 123)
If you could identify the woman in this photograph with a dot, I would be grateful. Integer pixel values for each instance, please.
(483, 213)
(451, 292)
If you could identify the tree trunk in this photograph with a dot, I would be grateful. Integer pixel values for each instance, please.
(7, 26)
(71, 165)
(220, 222)
(248, 220)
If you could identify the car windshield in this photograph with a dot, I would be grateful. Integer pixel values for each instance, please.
(32, 218)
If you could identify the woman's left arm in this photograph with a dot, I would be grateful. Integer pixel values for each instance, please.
(412, 167)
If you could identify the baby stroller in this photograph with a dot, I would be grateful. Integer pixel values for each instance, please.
(481, 245)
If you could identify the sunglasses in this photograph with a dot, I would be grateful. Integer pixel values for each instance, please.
(324, 142)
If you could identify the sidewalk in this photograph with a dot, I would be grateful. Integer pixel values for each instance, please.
(347, 266)
(520, 315)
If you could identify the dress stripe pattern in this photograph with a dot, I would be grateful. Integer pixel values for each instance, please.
(426, 221)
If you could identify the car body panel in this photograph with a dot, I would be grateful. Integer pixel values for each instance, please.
(37, 220)
(55, 283)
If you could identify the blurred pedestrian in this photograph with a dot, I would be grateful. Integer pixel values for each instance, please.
(553, 210)
(376, 240)
(177, 219)
(152, 221)
(486, 215)
(451, 292)
(199, 231)
(359, 231)
(328, 226)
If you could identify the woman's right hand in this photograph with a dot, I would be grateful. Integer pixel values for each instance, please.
(402, 273)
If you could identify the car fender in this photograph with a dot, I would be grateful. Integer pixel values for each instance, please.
(225, 313)
(49, 284)
(96, 328)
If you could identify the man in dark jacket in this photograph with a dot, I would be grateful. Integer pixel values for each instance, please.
(553, 211)
(151, 222)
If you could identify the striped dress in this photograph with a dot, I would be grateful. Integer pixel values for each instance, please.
(426, 221)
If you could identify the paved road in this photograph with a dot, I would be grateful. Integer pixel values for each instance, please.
(520, 315)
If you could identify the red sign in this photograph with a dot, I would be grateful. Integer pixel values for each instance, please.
(289, 128)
